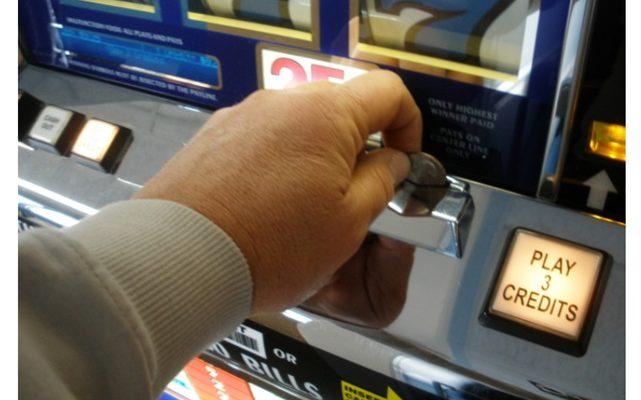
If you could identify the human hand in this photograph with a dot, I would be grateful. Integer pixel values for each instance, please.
(371, 287)
(284, 175)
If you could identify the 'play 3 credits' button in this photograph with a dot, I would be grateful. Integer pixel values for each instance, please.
(547, 284)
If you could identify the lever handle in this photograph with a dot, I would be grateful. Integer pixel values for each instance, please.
(442, 204)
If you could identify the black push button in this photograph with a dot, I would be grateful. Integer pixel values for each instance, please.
(28, 110)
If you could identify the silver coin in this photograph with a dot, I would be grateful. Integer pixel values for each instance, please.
(423, 189)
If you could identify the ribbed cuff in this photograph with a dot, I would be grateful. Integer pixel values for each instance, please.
(186, 278)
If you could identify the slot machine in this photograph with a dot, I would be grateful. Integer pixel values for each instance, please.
(517, 290)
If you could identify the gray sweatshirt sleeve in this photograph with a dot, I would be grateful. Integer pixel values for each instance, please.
(114, 306)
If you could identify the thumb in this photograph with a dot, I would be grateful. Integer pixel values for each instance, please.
(374, 180)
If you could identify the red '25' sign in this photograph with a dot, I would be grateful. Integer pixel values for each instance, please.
(280, 70)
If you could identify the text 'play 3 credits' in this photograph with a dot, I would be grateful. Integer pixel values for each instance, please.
(547, 283)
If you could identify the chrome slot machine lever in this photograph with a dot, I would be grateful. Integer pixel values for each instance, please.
(437, 209)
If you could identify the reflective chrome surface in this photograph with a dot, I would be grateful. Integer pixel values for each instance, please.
(447, 295)
(438, 337)
(574, 50)
(441, 204)
(444, 230)
(40, 215)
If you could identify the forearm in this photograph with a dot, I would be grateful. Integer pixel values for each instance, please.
(165, 277)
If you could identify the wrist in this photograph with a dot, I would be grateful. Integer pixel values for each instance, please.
(220, 215)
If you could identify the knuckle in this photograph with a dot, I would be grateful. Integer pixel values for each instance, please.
(394, 85)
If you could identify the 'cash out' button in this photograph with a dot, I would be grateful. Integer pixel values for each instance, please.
(547, 285)
(55, 129)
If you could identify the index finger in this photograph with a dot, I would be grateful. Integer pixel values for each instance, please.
(379, 101)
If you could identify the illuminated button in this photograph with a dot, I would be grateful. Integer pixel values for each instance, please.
(54, 129)
(608, 140)
(547, 284)
(95, 139)
(101, 145)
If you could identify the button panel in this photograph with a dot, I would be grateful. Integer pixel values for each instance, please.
(547, 291)
(94, 143)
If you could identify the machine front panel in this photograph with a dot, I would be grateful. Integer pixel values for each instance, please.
(480, 73)
(517, 290)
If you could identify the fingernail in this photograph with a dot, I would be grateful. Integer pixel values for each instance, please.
(400, 165)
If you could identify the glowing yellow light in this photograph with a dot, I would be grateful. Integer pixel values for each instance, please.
(608, 140)
(547, 284)
(95, 139)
